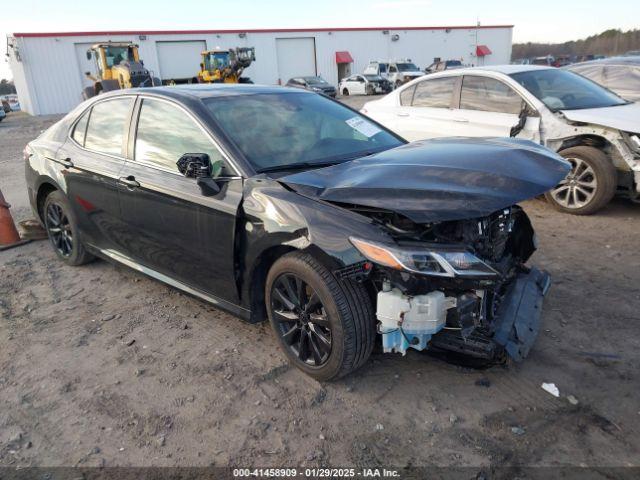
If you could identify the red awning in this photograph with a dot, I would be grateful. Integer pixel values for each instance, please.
(482, 51)
(343, 57)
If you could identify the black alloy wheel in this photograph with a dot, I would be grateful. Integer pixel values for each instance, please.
(324, 325)
(59, 229)
(62, 228)
(302, 320)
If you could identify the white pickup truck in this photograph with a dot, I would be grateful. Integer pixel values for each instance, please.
(396, 72)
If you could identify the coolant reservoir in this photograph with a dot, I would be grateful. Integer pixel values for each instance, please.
(409, 321)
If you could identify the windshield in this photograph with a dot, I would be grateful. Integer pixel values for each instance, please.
(276, 131)
(116, 55)
(407, 67)
(216, 60)
(563, 90)
(315, 80)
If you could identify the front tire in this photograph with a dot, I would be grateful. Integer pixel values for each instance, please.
(589, 186)
(62, 229)
(345, 92)
(325, 326)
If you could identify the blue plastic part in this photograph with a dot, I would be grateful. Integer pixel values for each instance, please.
(393, 339)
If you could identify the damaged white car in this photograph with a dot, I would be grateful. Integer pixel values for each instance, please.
(594, 129)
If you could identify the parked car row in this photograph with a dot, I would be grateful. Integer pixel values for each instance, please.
(8, 106)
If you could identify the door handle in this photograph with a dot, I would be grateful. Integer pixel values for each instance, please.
(66, 162)
(402, 114)
(129, 182)
(461, 120)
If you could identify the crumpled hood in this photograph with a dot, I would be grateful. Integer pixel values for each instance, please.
(438, 180)
(622, 117)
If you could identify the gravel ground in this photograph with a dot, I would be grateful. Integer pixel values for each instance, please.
(102, 366)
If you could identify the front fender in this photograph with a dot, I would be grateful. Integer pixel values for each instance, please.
(274, 217)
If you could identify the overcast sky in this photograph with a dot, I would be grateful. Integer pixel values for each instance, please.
(541, 20)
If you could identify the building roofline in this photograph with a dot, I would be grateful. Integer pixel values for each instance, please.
(260, 30)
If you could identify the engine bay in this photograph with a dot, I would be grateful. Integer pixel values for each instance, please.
(471, 316)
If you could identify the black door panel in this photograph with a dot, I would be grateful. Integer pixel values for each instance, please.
(91, 173)
(173, 229)
(93, 194)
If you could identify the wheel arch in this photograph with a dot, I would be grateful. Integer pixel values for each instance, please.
(260, 270)
(586, 140)
(45, 187)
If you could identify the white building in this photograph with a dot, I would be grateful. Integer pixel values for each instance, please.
(48, 68)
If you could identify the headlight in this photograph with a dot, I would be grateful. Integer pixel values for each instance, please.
(316, 89)
(437, 262)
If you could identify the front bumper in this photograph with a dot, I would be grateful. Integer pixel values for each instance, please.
(514, 329)
(520, 313)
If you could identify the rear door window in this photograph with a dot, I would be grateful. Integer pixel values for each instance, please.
(80, 129)
(107, 126)
(489, 95)
(435, 93)
(406, 96)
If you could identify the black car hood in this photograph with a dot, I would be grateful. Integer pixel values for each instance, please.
(438, 180)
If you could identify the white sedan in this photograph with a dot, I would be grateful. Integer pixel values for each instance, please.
(361, 85)
(594, 129)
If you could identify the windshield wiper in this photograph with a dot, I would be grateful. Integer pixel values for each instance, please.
(295, 166)
(336, 159)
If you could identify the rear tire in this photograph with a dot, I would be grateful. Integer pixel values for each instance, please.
(341, 312)
(590, 185)
(345, 92)
(62, 230)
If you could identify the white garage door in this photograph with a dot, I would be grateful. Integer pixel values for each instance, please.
(85, 65)
(296, 57)
(180, 60)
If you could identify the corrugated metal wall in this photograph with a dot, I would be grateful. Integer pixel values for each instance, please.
(50, 75)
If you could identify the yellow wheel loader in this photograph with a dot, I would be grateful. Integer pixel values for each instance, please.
(118, 65)
(226, 66)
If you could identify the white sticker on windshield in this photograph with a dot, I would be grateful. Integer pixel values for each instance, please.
(360, 124)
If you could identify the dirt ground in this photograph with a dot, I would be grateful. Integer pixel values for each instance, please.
(100, 365)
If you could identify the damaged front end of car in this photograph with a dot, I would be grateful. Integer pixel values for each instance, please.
(459, 286)
(450, 273)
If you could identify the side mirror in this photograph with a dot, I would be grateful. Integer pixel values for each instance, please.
(198, 166)
(88, 54)
(87, 74)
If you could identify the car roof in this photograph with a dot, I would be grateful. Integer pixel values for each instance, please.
(506, 69)
(210, 90)
(503, 69)
(630, 60)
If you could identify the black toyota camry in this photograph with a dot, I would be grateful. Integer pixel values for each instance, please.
(283, 204)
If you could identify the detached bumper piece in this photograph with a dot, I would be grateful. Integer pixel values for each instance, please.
(519, 315)
(515, 327)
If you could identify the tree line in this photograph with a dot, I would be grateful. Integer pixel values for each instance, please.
(6, 87)
(610, 43)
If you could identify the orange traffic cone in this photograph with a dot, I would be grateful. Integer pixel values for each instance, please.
(9, 236)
